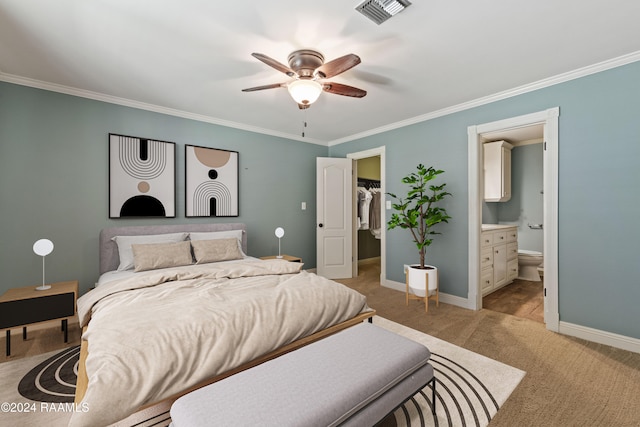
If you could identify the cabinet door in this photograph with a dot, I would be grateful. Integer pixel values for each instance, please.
(497, 171)
(506, 174)
(499, 265)
(492, 173)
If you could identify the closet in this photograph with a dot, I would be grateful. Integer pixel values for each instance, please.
(369, 204)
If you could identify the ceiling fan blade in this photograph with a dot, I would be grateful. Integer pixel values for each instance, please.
(271, 86)
(337, 66)
(340, 89)
(275, 64)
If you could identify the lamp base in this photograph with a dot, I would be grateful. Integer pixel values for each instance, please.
(43, 287)
(279, 256)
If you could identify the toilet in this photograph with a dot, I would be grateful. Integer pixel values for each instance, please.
(528, 263)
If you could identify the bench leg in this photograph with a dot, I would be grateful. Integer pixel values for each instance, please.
(8, 342)
(24, 333)
(433, 395)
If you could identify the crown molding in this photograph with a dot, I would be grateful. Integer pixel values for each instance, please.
(540, 84)
(68, 90)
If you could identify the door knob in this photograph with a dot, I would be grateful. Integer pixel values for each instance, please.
(320, 225)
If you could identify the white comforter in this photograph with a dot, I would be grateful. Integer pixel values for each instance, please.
(153, 336)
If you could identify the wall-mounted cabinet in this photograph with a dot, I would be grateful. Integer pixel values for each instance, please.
(497, 171)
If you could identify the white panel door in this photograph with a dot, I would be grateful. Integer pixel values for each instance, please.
(334, 217)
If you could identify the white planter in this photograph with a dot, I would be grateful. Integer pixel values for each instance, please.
(418, 279)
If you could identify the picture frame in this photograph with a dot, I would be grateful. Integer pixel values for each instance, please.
(142, 177)
(211, 182)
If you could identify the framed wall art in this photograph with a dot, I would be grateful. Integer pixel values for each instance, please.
(211, 182)
(142, 177)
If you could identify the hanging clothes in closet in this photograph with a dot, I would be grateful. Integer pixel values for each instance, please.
(369, 205)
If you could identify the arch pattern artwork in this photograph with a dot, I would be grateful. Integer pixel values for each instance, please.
(141, 177)
(211, 182)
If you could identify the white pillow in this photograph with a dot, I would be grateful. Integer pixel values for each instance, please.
(126, 253)
(213, 235)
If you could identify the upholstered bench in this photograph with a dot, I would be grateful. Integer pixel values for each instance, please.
(355, 377)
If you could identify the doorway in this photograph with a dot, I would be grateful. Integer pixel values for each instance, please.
(522, 293)
(477, 135)
(369, 247)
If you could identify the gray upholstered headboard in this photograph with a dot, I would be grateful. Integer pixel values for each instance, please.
(109, 259)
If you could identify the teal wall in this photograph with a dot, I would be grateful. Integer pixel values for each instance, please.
(599, 206)
(53, 183)
(54, 170)
(526, 204)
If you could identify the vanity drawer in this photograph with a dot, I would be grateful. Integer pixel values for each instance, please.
(486, 280)
(512, 250)
(512, 235)
(486, 258)
(499, 237)
(486, 239)
(512, 269)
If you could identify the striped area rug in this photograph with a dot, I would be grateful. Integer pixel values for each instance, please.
(470, 388)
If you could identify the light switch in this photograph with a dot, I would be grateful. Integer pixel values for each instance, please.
(388, 204)
(304, 206)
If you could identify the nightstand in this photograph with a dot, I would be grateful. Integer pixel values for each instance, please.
(284, 257)
(26, 306)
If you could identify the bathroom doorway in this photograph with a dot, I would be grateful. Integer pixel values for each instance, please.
(524, 296)
(527, 129)
(369, 213)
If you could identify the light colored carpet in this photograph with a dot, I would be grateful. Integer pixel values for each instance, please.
(470, 388)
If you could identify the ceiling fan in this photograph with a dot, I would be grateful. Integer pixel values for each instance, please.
(308, 69)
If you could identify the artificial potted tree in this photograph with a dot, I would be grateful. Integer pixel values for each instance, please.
(419, 213)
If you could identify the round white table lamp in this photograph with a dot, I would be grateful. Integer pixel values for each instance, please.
(43, 247)
(279, 234)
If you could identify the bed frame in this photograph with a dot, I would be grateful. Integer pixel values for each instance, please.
(109, 261)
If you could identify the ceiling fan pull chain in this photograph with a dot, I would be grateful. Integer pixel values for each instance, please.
(304, 121)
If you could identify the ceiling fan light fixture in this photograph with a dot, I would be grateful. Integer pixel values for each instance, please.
(304, 91)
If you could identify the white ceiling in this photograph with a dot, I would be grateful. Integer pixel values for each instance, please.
(192, 57)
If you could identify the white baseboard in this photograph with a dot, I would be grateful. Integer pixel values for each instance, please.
(601, 337)
(445, 298)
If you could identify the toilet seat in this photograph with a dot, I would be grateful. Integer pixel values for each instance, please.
(526, 252)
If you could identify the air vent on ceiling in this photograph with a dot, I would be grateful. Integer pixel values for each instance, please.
(381, 10)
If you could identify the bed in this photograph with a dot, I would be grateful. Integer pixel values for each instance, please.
(153, 335)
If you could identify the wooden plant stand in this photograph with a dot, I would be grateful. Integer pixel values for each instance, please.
(426, 287)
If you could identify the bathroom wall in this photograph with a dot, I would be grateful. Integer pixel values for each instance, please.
(526, 204)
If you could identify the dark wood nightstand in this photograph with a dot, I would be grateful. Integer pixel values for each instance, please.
(284, 257)
(20, 307)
